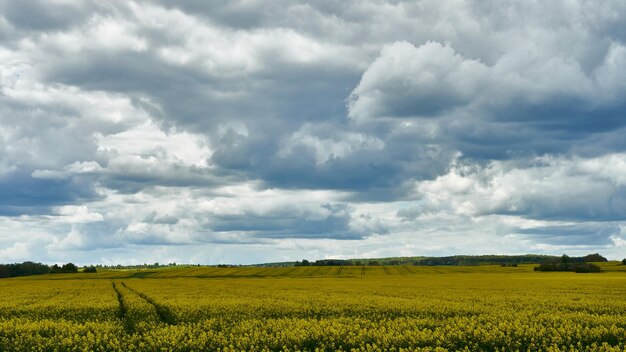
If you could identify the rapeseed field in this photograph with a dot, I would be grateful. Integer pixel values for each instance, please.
(396, 308)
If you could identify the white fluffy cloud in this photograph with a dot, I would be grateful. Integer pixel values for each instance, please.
(341, 146)
(406, 81)
(434, 79)
(542, 188)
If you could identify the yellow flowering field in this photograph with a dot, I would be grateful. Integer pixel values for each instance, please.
(483, 308)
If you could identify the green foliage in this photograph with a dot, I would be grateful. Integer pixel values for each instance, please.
(565, 265)
(23, 269)
(31, 268)
(595, 258)
(304, 262)
(65, 269)
(455, 260)
(69, 268)
(90, 269)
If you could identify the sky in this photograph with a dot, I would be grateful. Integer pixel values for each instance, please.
(252, 131)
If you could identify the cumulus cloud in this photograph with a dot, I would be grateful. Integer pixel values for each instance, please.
(324, 149)
(543, 188)
(432, 79)
(78, 214)
(406, 81)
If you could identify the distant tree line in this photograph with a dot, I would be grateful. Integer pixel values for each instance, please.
(66, 268)
(503, 260)
(155, 265)
(566, 264)
(23, 269)
(323, 262)
(32, 268)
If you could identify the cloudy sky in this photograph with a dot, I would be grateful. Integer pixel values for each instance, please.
(254, 131)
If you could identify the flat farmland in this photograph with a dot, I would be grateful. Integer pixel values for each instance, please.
(376, 308)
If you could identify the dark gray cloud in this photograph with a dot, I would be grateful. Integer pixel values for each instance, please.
(39, 15)
(592, 234)
(335, 223)
(21, 193)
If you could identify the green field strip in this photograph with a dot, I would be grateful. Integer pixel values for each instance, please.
(378, 270)
(218, 272)
(350, 271)
(248, 272)
(315, 270)
(142, 274)
(195, 272)
(273, 272)
(225, 272)
(397, 270)
(261, 272)
(303, 271)
(329, 270)
(287, 271)
(367, 270)
(209, 272)
(407, 269)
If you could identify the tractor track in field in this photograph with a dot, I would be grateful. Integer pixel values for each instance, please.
(120, 299)
(123, 309)
(315, 271)
(164, 313)
(288, 272)
(408, 269)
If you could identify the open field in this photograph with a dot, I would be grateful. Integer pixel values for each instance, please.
(308, 308)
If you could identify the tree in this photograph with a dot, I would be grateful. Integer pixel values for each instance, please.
(55, 269)
(5, 271)
(69, 268)
(595, 258)
(575, 267)
(304, 262)
(23, 269)
(90, 269)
